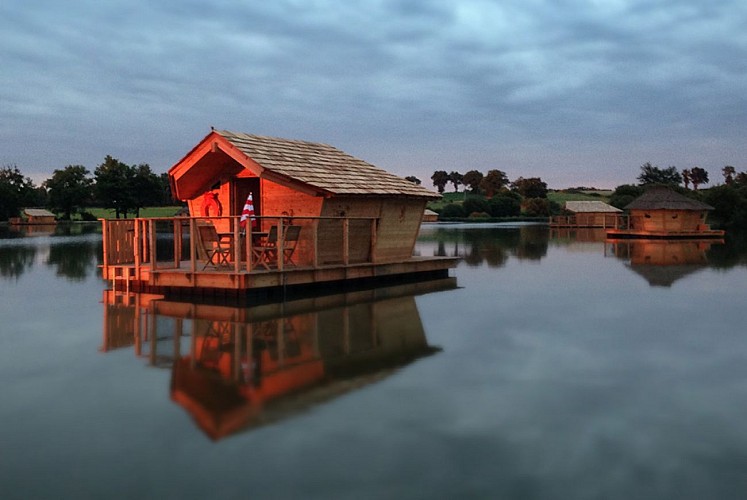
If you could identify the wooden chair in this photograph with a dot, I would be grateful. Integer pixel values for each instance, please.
(215, 253)
(289, 244)
(267, 252)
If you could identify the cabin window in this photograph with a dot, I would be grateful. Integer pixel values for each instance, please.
(674, 216)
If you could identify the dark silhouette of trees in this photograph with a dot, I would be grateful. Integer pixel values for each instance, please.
(70, 189)
(729, 172)
(686, 177)
(114, 183)
(532, 187)
(16, 192)
(472, 180)
(494, 182)
(146, 188)
(623, 195)
(413, 179)
(456, 179)
(698, 176)
(440, 178)
(655, 175)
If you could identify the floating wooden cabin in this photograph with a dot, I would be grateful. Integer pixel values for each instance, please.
(35, 217)
(316, 215)
(663, 213)
(588, 214)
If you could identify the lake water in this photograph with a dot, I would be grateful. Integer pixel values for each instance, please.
(549, 366)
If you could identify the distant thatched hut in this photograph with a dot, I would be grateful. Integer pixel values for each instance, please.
(663, 213)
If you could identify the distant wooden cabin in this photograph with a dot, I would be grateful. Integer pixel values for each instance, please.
(299, 179)
(35, 216)
(588, 214)
(430, 216)
(663, 213)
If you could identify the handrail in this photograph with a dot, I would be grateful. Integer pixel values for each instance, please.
(324, 241)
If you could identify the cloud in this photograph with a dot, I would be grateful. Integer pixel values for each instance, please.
(410, 84)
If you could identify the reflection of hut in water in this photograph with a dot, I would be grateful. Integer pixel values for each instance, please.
(663, 213)
(249, 366)
(662, 262)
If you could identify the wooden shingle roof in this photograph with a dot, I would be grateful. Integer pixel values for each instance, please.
(590, 207)
(663, 198)
(322, 166)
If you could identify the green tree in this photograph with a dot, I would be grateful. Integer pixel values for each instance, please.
(70, 189)
(686, 177)
(624, 194)
(440, 178)
(729, 173)
(698, 176)
(472, 180)
(16, 192)
(536, 207)
(115, 186)
(508, 205)
(146, 188)
(456, 179)
(532, 187)
(494, 182)
(655, 175)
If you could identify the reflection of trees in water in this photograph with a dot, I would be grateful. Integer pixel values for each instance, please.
(732, 253)
(493, 246)
(16, 260)
(73, 260)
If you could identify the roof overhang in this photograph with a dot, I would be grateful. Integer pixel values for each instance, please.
(215, 158)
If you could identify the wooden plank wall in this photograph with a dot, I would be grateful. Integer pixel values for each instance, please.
(119, 242)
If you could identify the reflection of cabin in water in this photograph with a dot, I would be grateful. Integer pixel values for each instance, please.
(591, 214)
(353, 220)
(662, 262)
(663, 213)
(235, 368)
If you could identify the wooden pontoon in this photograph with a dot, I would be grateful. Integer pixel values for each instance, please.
(661, 213)
(319, 217)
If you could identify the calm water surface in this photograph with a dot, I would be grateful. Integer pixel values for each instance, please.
(559, 366)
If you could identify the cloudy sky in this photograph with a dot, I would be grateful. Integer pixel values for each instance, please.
(577, 92)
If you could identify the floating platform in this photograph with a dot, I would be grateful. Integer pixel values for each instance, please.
(171, 257)
(627, 234)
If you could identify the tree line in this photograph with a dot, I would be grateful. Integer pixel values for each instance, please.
(729, 199)
(113, 184)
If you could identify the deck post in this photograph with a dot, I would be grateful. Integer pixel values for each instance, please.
(236, 246)
(136, 248)
(373, 241)
(192, 245)
(152, 243)
(248, 245)
(315, 243)
(281, 244)
(345, 241)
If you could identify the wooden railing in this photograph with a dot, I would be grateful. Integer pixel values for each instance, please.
(173, 242)
(607, 221)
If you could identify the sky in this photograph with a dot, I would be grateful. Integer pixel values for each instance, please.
(578, 93)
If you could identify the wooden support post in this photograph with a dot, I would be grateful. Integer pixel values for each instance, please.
(315, 243)
(236, 245)
(281, 244)
(373, 241)
(345, 241)
(152, 243)
(192, 245)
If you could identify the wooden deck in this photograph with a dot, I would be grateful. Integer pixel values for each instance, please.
(166, 256)
(622, 234)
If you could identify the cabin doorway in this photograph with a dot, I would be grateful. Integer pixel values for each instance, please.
(241, 189)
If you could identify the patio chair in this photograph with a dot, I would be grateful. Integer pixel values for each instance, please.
(289, 243)
(266, 253)
(215, 252)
